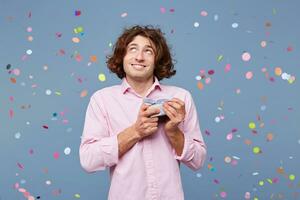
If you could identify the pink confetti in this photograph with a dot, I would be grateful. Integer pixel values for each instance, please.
(203, 13)
(249, 75)
(58, 34)
(22, 190)
(172, 10)
(56, 155)
(11, 98)
(11, 113)
(31, 151)
(246, 56)
(216, 181)
(227, 67)
(229, 136)
(162, 10)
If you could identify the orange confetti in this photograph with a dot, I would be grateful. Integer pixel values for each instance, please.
(200, 85)
(83, 93)
(93, 58)
(280, 170)
(270, 137)
(13, 80)
(248, 142)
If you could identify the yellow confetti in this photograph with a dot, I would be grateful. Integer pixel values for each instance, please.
(101, 77)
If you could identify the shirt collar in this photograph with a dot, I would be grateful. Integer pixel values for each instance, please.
(125, 85)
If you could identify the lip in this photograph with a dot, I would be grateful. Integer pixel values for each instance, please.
(138, 64)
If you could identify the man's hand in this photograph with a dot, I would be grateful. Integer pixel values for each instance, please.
(146, 125)
(175, 110)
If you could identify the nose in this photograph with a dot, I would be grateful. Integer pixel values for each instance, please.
(139, 56)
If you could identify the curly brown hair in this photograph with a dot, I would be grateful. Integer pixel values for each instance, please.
(164, 65)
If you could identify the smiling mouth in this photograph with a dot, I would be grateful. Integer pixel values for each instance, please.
(138, 66)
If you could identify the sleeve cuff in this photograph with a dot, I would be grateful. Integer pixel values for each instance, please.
(187, 152)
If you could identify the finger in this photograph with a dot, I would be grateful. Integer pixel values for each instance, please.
(179, 101)
(150, 119)
(150, 125)
(144, 107)
(174, 104)
(170, 112)
(152, 111)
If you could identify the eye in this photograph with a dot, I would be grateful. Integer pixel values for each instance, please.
(149, 51)
(132, 49)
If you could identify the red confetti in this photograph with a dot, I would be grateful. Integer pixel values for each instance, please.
(77, 13)
(211, 72)
(45, 127)
(289, 49)
(20, 166)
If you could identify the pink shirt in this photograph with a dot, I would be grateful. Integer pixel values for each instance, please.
(150, 169)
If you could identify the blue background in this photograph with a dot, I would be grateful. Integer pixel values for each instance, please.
(28, 147)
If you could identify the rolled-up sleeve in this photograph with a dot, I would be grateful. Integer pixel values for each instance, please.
(98, 149)
(194, 150)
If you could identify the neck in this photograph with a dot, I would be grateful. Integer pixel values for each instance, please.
(140, 86)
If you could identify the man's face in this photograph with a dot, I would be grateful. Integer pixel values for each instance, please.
(139, 59)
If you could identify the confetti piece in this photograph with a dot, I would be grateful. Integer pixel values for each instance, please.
(13, 80)
(58, 34)
(77, 12)
(48, 92)
(55, 155)
(234, 25)
(83, 93)
(11, 113)
(75, 40)
(220, 57)
(261, 183)
(246, 56)
(77, 196)
(78, 29)
(270, 137)
(247, 195)
(67, 151)
(29, 52)
(227, 67)
(101, 77)
(124, 15)
(278, 71)
(200, 85)
(29, 29)
(20, 165)
(30, 38)
(207, 80)
(216, 17)
(93, 58)
(203, 13)
(252, 125)
(249, 75)
(223, 194)
(45, 127)
(196, 24)
(162, 10)
(292, 177)
(18, 135)
(256, 150)
(289, 49)
(263, 44)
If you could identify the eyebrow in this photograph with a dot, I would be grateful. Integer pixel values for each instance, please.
(134, 44)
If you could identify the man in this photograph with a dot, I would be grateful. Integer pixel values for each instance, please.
(142, 150)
